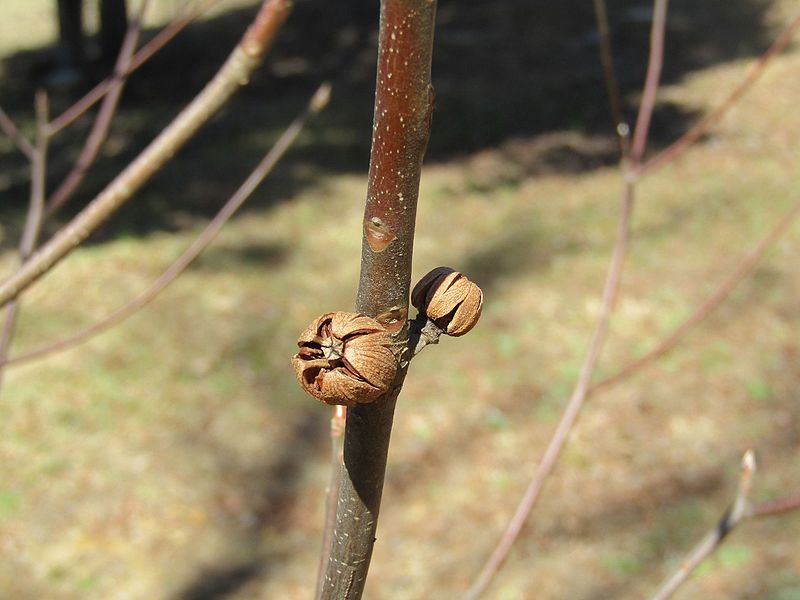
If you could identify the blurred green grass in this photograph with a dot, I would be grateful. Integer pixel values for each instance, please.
(176, 453)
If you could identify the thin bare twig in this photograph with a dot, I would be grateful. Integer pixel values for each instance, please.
(34, 218)
(105, 115)
(744, 268)
(145, 53)
(16, 136)
(735, 514)
(318, 101)
(776, 507)
(690, 137)
(247, 54)
(611, 287)
(573, 408)
(610, 76)
(338, 422)
(654, 64)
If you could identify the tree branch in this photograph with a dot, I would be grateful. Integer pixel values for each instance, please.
(776, 507)
(34, 218)
(611, 287)
(318, 101)
(16, 136)
(247, 55)
(145, 53)
(739, 511)
(745, 267)
(735, 514)
(403, 107)
(102, 122)
(690, 137)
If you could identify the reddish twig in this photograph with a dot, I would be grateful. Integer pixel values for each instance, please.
(102, 122)
(690, 137)
(145, 53)
(34, 218)
(402, 118)
(744, 268)
(317, 103)
(738, 511)
(654, 64)
(611, 287)
(338, 421)
(573, 408)
(248, 54)
(16, 136)
(776, 507)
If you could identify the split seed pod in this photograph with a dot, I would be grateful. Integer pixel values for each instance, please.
(448, 299)
(345, 358)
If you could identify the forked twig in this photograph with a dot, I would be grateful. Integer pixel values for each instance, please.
(246, 56)
(735, 514)
(105, 115)
(744, 268)
(690, 137)
(145, 53)
(574, 405)
(318, 101)
(611, 287)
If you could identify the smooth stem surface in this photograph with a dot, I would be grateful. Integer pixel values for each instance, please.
(246, 56)
(574, 405)
(403, 107)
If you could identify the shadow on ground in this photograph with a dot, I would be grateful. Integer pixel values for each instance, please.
(505, 76)
(256, 498)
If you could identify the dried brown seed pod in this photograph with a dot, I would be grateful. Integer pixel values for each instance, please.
(345, 358)
(448, 299)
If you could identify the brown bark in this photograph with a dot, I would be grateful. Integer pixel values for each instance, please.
(403, 107)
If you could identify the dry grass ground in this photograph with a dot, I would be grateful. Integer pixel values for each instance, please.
(175, 456)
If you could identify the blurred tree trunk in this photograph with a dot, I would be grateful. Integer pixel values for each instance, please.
(72, 53)
(113, 24)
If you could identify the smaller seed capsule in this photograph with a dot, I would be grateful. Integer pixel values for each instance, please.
(448, 299)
